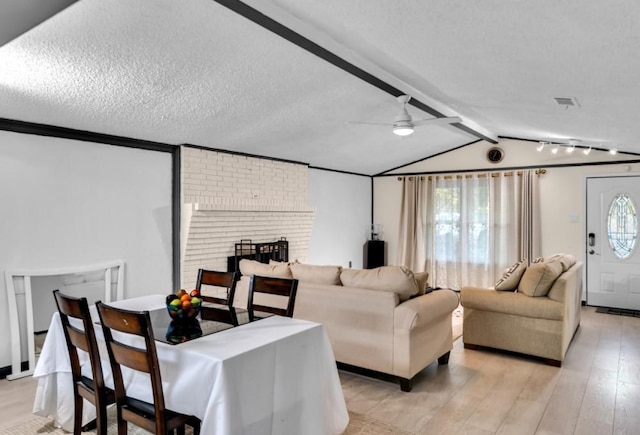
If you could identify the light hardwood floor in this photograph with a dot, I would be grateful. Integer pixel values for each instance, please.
(597, 391)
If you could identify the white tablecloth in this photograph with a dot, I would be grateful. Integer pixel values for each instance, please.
(274, 376)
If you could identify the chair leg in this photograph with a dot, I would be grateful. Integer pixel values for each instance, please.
(77, 408)
(122, 424)
(93, 424)
(196, 427)
(101, 418)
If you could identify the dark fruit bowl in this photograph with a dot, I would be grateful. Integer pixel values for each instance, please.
(180, 313)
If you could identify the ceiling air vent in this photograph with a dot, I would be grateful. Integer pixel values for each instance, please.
(567, 101)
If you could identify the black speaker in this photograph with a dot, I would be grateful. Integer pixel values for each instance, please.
(375, 254)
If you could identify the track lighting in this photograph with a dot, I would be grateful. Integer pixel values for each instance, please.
(555, 150)
(541, 146)
(613, 151)
(587, 151)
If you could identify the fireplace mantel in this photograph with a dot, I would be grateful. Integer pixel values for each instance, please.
(254, 206)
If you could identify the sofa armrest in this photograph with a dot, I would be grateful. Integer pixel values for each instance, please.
(425, 309)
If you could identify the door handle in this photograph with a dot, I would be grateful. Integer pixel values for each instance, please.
(591, 252)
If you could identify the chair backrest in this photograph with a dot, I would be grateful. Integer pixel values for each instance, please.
(283, 287)
(85, 339)
(124, 351)
(225, 290)
(225, 281)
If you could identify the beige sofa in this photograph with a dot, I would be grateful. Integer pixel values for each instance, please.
(536, 310)
(379, 322)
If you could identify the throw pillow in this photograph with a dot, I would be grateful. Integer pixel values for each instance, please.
(421, 281)
(274, 270)
(393, 279)
(567, 260)
(316, 274)
(539, 277)
(511, 277)
(537, 260)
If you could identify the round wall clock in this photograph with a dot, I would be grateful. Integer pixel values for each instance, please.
(495, 155)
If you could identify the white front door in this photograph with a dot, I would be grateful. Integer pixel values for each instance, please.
(613, 254)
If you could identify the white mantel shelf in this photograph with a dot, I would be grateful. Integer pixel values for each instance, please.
(258, 206)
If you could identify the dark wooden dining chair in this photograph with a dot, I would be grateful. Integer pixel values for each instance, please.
(93, 390)
(222, 297)
(153, 417)
(276, 288)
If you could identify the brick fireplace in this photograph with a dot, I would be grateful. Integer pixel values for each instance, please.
(228, 197)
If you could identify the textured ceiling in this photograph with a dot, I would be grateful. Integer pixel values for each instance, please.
(196, 72)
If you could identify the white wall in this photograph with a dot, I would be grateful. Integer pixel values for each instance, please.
(68, 203)
(562, 189)
(343, 215)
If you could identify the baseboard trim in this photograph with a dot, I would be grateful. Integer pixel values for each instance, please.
(6, 371)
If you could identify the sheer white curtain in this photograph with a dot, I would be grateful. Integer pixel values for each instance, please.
(476, 225)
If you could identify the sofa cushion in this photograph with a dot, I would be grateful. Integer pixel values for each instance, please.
(422, 279)
(273, 270)
(316, 274)
(566, 260)
(539, 277)
(394, 279)
(511, 277)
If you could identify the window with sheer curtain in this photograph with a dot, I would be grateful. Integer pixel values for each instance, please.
(466, 229)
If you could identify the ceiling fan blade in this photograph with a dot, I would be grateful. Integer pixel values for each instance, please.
(367, 123)
(436, 121)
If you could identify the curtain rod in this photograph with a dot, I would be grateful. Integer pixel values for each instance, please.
(467, 176)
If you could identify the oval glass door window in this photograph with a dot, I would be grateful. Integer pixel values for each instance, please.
(622, 226)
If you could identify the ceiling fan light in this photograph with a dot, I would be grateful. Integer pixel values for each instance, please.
(403, 130)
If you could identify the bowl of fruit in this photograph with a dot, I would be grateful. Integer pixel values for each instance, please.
(183, 305)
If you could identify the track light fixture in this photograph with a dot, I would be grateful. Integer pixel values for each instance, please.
(572, 145)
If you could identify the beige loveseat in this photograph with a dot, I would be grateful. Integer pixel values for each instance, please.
(533, 310)
(379, 322)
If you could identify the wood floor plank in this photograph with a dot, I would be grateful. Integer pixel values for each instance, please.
(627, 417)
(523, 418)
(599, 401)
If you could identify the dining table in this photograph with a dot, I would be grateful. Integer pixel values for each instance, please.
(277, 375)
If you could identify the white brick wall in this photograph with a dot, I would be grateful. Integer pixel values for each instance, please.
(229, 197)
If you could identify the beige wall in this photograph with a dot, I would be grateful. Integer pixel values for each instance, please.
(562, 189)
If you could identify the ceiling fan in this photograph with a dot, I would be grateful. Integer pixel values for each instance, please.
(403, 124)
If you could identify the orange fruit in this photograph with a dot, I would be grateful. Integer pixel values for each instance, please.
(185, 297)
(186, 305)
